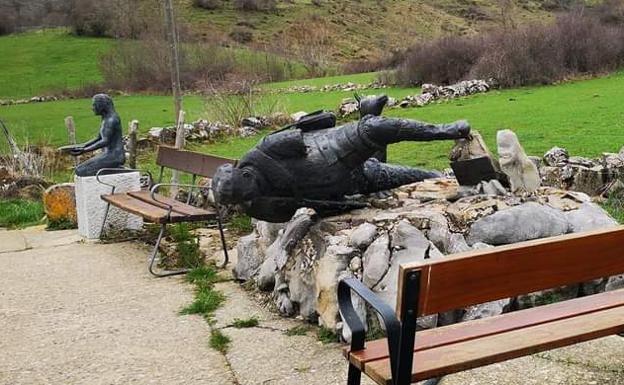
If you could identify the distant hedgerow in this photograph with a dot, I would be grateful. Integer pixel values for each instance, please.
(577, 43)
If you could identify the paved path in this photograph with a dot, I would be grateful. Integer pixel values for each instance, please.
(79, 313)
(86, 313)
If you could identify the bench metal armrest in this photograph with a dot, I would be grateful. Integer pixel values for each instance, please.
(100, 171)
(157, 187)
(387, 314)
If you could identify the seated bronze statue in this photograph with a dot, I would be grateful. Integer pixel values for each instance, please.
(109, 139)
(320, 169)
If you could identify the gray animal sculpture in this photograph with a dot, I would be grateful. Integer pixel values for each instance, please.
(109, 139)
(319, 169)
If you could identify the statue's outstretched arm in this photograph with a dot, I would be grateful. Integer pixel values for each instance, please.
(89, 143)
(103, 139)
(384, 130)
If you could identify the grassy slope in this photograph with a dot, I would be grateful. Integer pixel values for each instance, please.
(358, 28)
(35, 62)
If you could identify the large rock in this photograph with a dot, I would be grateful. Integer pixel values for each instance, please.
(472, 148)
(59, 204)
(522, 172)
(332, 264)
(517, 224)
(409, 245)
(556, 156)
(589, 216)
(376, 261)
(363, 235)
(249, 257)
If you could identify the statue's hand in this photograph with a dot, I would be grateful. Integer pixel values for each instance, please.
(463, 128)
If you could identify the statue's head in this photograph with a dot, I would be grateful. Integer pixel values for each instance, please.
(102, 104)
(232, 185)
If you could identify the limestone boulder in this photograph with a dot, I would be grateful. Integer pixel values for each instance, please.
(517, 224)
(521, 171)
(363, 235)
(376, 260)
(333, 263)
(589, 216)
(249, 257)
(556, 156)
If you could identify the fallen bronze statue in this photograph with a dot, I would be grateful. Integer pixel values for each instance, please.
(320, 169)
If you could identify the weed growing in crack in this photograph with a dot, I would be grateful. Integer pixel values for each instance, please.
(219, 341)
(207, 298)
(245, 323)
(300, 330)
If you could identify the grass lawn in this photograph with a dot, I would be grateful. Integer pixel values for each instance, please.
(37, 62)
(586, 117)
(17, 213)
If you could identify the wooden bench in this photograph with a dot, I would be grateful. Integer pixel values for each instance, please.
(481, 276)
(156, 208)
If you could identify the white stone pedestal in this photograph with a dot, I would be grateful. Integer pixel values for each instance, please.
(90, 208)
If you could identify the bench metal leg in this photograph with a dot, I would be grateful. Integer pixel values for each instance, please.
(226, 258)
(155, 254)
(102, 233)
(355, 376)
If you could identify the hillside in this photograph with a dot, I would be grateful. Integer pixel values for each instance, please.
(346, 30)
(46, 61)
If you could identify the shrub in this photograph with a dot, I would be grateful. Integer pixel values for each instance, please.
(574, 44)
(241, 35)
(144, 65)
(7, 22)
(255, 5)
(208, 4)
(441, 62)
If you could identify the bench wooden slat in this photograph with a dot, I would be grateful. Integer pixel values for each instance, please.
(191, 162)
(197, 213)
(138, 207)
(433, 338)
(500, 347)
(484, 275)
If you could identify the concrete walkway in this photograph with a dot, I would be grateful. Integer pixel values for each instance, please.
(87, 313)
(79, 313)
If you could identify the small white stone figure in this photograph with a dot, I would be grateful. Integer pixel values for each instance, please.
(522, 172)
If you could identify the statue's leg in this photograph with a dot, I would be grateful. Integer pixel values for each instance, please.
(93, 165)
(381, 176)
(383, 131)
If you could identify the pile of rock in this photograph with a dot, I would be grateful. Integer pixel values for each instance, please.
(430, 93)
(203, 130)
(345, 87)
(34, 99)
(300, 262)
(591, 176)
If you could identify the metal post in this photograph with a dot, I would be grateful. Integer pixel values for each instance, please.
(409, 315)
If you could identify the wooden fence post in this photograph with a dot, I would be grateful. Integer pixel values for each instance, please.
(133, 127)
(71, 133)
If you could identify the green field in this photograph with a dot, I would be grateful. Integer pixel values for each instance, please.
(586, 117)
(40, 62)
